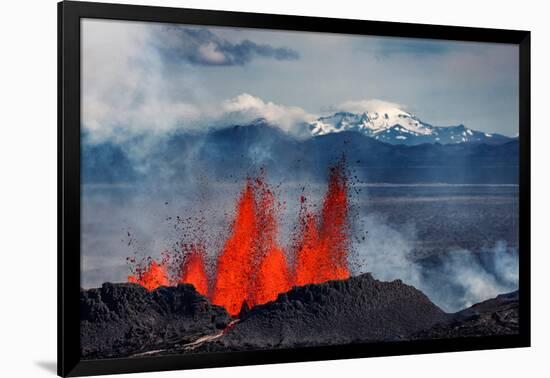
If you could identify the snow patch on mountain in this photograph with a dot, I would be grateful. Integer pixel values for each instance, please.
(369, 122)
(396, 126)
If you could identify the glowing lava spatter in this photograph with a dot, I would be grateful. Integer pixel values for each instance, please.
(306, 251)
(334, 236)
(193, 270)
(321, 253)
(252, 267)
(272, 275)
(235, 267)
(151, 277)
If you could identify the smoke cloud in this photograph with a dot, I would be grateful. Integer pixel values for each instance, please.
(134, 82)
(454, 279)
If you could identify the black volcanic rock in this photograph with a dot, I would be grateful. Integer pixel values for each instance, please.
(359, 309)
(119, 320)
(497, 316)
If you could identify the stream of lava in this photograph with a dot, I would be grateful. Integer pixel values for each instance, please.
(252, 266)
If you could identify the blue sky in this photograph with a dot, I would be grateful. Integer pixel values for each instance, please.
(156, 77)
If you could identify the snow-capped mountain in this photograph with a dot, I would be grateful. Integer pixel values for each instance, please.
(396, 126)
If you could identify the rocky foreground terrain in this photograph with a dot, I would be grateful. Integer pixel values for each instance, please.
(121, 320)
(497, 316)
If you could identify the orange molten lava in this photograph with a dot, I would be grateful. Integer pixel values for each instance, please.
(152, 277)
(252, 266)
(235, 262)
(322, 249)
(334, 231)
(306, 260)
(272, 276)
(193, 271)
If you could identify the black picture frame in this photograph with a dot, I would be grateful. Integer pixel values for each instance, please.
(69, 16)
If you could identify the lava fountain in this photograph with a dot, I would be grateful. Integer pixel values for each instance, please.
(151, 276)
(272, 273)
(321, 253)
(235, 267)
(193, 269)
(252, 266)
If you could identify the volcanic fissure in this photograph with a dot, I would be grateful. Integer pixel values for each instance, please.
(252, 268)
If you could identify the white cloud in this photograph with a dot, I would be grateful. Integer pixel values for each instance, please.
(250, 107)
(127, 89)
(374, 105)
(209, 53)
(123, 86)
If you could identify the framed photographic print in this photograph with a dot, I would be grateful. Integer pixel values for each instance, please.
(239, 188)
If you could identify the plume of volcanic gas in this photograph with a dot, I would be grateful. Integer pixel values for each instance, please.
(151, 275)
(235, 267)
(272, 273)
(193, 270)
(321, 252)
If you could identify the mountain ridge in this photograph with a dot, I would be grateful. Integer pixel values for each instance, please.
(396, 126)
(231, 152)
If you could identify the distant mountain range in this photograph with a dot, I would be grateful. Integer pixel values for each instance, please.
(230, 153)
(396, 126)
